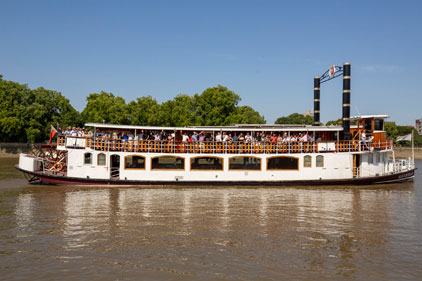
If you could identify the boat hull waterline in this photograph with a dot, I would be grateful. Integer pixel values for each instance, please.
(60, 180)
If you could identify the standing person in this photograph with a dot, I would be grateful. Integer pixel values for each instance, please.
(194, 137)
(363, 138)
(218, 137)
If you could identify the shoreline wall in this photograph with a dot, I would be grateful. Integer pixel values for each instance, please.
(12, 150)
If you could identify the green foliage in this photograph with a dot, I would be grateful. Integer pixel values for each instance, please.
(145, 111)
(214, 106)
(178, 112)
(26, 115)
(295, 118)
(245, 115)
(105, 107)
(334, 122)
(391, 130)
(394, 131)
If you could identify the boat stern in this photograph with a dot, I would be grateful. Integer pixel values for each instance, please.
(29, 163)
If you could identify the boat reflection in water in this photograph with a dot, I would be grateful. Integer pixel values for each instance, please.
(206, 233)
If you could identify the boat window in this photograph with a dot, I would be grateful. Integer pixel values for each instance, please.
(88, 158)
(307, 161)
(167, 163)
(244, 163)
(370, 158)
(378, 157)
(134, 162)
(368, 125)
(379, 125)
(320, 161)
(101, 159)
(206, 163)
(283, 163)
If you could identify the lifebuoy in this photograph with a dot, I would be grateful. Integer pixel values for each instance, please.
(58, 167)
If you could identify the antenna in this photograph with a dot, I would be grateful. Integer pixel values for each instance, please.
(357, 110)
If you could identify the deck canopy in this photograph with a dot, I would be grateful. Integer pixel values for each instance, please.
(354, 118)
(236, 127)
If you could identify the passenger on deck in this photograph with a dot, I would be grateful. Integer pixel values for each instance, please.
(218, 137)
(194, 136)
(363, 138)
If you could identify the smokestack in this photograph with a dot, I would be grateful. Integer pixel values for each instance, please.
(346, 101)
(316, 101)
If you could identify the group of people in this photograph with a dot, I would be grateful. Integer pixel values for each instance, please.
(189, 136)
(75, 132)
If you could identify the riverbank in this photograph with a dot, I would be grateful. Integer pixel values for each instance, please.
(406, 152)
(12, 150)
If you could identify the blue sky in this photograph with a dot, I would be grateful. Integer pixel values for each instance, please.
(266, 51)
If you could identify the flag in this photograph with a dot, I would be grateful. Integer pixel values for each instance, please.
(53, 131)
(405, 138)
(332, 71)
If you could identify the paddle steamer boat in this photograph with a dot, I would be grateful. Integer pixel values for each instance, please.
(329, 155)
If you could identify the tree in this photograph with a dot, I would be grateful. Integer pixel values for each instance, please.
(182, 113)
(105, 107)
(334, 122)
(26, 115)
(145, 111)
(391, 130)
(214, 106)
(245, 115)
(295, 118)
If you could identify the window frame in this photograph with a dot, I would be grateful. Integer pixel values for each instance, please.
(322, 161)
(90, 158)
(221, 158)
(260, 163)
(310, 161)
(296, 158)
(169, 156)
(131, 155)
(98, 159)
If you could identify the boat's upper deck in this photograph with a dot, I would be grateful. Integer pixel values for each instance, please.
(236, 139)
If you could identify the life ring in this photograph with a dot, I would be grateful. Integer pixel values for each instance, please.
(58, 167)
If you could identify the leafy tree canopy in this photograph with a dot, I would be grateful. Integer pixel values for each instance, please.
(105, 107)
(295, 118)
(26, 114)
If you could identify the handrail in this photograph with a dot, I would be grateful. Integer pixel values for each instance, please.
(214, 147)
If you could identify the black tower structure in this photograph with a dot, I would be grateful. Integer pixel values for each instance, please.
(334, 72)
(346, 101)
(316, 101)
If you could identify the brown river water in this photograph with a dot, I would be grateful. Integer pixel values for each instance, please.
(141, 233)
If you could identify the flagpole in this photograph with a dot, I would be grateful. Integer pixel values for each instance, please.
(413, 150)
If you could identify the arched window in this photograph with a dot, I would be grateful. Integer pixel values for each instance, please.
(88, 158)
(135, 162)
(307, 161)
(167, 163)
(206, 163)
(282, 163)
(320, 161)
(244, 163)
(101, 159)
